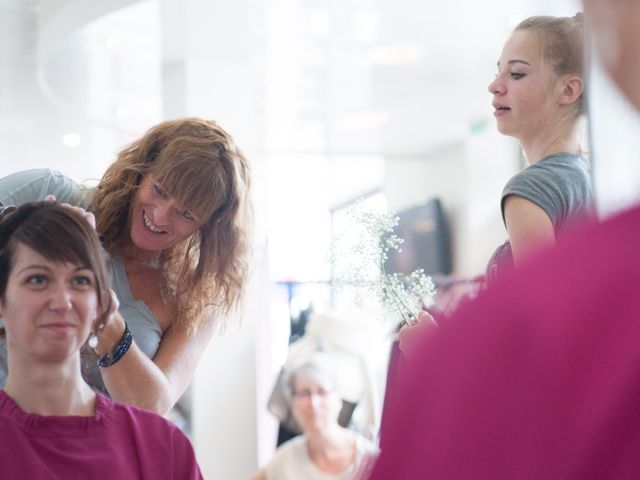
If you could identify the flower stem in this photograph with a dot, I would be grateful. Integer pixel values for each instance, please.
(405, 312)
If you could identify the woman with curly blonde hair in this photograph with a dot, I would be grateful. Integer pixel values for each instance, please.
(175, 216)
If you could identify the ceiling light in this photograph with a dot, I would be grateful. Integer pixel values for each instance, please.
(364, 120)
(123, 111)
(112, 42)
(366, 26)
(394, 54)
(72, 140)
(318, 22)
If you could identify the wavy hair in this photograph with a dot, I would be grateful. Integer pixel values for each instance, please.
(200, 166)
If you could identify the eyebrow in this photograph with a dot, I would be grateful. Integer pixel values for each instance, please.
(34, 267)
(44, 267)
(511, 62)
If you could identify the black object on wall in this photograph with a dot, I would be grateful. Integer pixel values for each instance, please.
(426, 241)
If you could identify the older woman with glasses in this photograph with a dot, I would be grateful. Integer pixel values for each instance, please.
(326, 450)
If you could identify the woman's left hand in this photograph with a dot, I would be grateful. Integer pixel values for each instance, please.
(88, 216)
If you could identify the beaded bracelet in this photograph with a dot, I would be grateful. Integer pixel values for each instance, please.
(119, 350)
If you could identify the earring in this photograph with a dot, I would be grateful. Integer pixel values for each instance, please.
(93, 338)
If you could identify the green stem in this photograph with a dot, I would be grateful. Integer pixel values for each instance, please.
(405, 312)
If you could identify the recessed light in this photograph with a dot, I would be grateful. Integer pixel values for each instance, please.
(364, 120)
(72, 140)
(112, 42)
(123, 111)
(394, 54)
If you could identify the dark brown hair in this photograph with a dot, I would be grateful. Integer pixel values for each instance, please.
(60, 235)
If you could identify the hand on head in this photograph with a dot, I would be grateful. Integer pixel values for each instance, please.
(113, 302)
(88, 216)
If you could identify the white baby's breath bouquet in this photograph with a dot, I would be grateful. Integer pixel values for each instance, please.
(358, 258)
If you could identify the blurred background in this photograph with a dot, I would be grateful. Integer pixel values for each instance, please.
(333, 101)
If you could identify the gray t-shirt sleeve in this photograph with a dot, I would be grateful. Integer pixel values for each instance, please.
(35, 185)
(560, 185)
(540, 188)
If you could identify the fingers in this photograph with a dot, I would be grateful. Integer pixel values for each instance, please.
(115, 304)
(424, 316)
(88, 216)
(409, 335)
(91, 218)
(109, 298)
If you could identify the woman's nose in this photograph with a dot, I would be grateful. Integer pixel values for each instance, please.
(162, 212)
(496, 87)
(60, 299)
(315, 399)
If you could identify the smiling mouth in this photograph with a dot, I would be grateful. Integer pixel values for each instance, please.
(149, 225)
(59, 326)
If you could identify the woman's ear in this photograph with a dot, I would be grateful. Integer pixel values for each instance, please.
(572, 87)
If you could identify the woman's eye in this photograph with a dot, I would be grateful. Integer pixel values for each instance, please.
(516, 75)
(82, 281)
(158, 191)
(37, 280)
(187, 215)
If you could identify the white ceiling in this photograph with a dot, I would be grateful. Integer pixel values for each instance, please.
(325, 87)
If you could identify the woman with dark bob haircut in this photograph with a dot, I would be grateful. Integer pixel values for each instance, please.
(175, 216)
(54, 295)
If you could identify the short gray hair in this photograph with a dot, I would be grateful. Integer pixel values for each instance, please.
(315, 368)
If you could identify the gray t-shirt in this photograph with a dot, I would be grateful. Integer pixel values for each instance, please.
(35, 185)
(561, 185)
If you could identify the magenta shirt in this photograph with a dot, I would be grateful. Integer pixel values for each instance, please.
(539, 378)
(119, 442)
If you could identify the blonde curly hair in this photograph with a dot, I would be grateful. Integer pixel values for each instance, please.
(199, 165)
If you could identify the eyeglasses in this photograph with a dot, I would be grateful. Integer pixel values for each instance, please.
(6, 209)
(306, 394)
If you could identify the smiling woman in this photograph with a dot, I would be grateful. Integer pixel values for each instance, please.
(156, 221)
(174, 214)
(46, 332)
